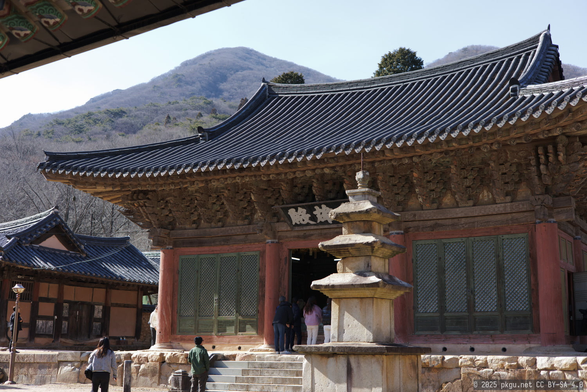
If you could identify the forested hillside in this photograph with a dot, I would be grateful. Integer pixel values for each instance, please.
(214, 82)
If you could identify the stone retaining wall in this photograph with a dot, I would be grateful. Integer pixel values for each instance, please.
(445, 373)
(148, 369)
(456, 373)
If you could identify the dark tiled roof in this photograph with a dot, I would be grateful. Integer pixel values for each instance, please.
(283, 123)
(107, 258)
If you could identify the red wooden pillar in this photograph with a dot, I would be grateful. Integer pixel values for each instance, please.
(272, 248)
(398, 267)
(550, 300)
(165, 298)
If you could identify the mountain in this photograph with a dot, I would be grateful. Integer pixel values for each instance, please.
(229, 74)
(569, 71)
(219, 79)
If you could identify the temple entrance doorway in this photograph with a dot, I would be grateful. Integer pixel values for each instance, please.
(308, 265)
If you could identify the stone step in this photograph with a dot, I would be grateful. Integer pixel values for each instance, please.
(257, 373)
(255, 380)
(234, 387)
(273, 372)
(265, 372)
(258, 364)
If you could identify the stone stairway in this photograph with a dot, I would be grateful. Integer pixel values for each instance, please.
(260, 372)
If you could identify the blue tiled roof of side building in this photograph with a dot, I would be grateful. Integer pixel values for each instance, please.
(106, 258)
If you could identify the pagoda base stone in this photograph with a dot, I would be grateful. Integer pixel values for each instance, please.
(342, 367)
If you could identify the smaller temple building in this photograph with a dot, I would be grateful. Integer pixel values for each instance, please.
(77, 288)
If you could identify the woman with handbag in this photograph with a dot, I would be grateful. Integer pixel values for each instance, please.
(102, 362)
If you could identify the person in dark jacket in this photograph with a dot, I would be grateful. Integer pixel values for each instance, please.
(296, 328)
(11, 325)
(282, 320)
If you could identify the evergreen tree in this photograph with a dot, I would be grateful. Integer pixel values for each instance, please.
(398, 61)
(290, 77)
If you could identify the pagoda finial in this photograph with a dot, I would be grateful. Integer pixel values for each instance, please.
(362, 178)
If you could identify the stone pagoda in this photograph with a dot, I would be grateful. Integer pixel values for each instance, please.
(362, 354)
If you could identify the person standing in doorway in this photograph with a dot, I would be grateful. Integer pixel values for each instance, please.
(296, 336)
(282, 320)
(312, 317)
(154, 325)
(102, 362)
(200, 361)
(11, 325)
(326, 312)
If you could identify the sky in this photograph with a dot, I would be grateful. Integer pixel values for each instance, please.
(341, 38)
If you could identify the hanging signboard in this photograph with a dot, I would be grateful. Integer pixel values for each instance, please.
(309, 214)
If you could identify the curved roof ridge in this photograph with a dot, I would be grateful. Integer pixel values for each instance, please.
(383, 81)
(539, 65)
(580, 81)
(25, 223)
(247, 109)
(92, 240)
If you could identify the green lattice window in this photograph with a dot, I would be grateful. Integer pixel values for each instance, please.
(472, 285)
(218, 294)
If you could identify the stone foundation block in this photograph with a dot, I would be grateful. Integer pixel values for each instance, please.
(565, 363)
(556, 375)
(480, 362)
(69, 356)
(148, 375)
(572, 375)
(156, 357)
(450, 361)
(176, 357)
(467, 361)
(140, 358)
(502, 362)
(545, 363)
(527, 362)
(68, 372)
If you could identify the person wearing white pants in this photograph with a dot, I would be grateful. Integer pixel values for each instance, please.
(312, 334)
(312, 318)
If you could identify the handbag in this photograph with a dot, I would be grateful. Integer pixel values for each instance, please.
(88, 373)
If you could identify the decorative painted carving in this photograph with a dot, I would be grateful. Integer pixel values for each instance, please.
(48, 13)
(19, 25)
(86, 8)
